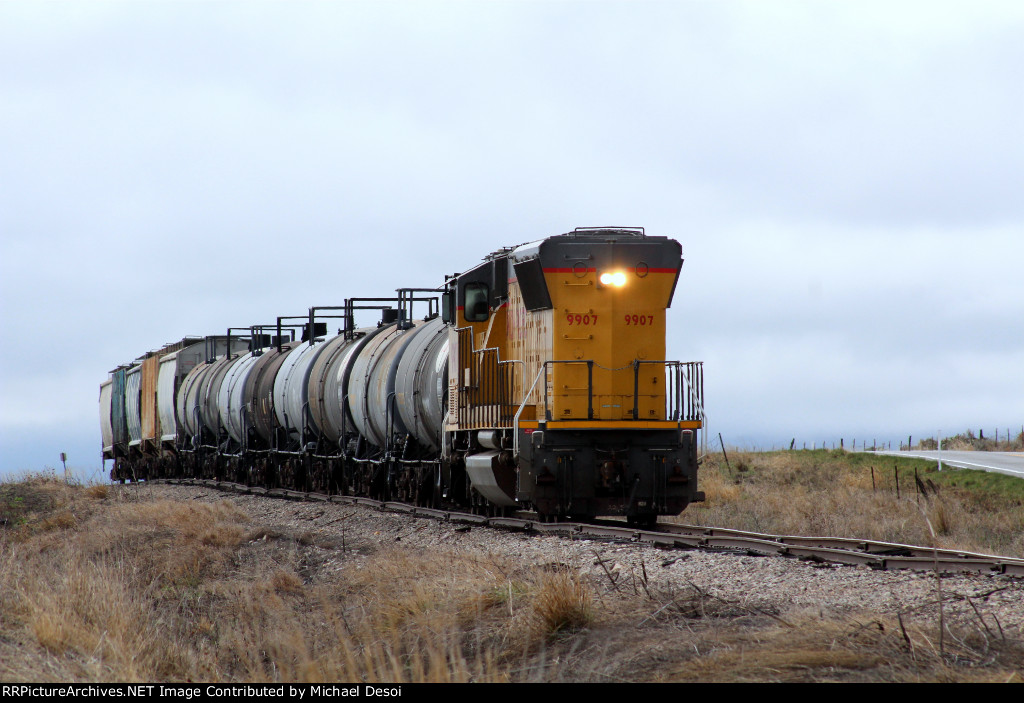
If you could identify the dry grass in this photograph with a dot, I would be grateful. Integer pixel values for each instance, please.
(139, 589)
(101, 587)
(968, 442)
(832, 493)
(857, 649)
(561, 603)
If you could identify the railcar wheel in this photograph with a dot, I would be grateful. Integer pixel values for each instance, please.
(425, 487)
(378, 484)
(643, 522)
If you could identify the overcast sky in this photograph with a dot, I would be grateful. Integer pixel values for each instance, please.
(845, 179)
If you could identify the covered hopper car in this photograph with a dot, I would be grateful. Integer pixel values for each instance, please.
(536, 380)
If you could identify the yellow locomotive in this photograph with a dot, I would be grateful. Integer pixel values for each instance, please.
(559, 394)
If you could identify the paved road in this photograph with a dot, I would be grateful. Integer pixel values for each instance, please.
(1011, 463)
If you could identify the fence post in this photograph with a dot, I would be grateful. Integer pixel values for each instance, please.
(896, 470)
(724, 454)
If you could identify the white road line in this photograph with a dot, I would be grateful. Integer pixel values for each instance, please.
(959, 463)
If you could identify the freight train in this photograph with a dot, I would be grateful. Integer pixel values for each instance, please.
(536, 380)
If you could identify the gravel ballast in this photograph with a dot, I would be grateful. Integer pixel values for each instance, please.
(346, 534)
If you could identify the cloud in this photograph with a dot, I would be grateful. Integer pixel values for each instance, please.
(842, 180)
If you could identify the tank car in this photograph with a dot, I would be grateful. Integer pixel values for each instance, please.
(535, 380)
(144, 418)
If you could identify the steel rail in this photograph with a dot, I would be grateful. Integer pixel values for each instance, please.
(836, 550)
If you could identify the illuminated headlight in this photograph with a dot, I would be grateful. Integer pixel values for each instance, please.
(617, 279)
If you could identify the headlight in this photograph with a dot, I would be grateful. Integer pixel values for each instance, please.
(617, 279)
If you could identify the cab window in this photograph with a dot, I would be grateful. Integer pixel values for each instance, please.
(476, 308)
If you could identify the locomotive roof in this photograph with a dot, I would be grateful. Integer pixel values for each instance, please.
(591, 235)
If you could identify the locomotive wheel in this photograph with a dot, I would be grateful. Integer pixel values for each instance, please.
(643, 522)
(438, 490)
(482, 505)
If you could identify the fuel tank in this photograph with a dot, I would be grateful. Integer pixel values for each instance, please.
(328, 382)
(291, 387)
(189, 400)
(259, 390)
(231, 397)
(368, 393)
(421, 383)
(209, 390)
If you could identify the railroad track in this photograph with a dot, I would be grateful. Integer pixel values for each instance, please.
(837, 550)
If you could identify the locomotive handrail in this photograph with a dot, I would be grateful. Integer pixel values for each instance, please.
(678, 407)
(695, 395)
(515, 422)
(484, 386)
(697, 398)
